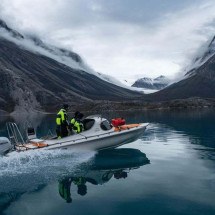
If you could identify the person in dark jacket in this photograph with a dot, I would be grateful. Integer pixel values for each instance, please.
(62, 122)
(81, 185)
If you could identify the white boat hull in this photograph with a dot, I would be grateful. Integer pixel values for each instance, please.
(100, 142)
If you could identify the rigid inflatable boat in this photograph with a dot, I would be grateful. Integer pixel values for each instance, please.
(98, 134)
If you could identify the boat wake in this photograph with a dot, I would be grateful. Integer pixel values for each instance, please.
(26, 171)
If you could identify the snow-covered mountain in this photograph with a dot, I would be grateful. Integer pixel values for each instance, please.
(152, 84)
(36, 75)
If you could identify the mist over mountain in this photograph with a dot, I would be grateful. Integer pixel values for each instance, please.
(199, 81)
(204, 54)
(38, 76)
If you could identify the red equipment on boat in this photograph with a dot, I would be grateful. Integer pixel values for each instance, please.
(117, 122)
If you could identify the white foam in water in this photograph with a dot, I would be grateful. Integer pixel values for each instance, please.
(25, 171)
(23, 162)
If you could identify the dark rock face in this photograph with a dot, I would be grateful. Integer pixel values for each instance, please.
(152, 84)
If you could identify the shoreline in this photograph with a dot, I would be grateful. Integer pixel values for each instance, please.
(110, 106)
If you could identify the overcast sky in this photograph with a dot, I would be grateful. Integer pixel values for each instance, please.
(122, 38)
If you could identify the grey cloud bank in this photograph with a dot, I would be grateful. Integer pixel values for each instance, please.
(123, 38)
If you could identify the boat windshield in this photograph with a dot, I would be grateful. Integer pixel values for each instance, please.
(88, 123)
(105, 125)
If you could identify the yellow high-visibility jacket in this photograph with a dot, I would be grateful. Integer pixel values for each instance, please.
(62, 117)
(77, 126)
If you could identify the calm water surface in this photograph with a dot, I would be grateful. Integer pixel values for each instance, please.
(169, 170)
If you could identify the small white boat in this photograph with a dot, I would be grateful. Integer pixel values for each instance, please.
(98, 134)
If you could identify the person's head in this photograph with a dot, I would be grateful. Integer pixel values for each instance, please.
(80, 115)
(76, 114)
(66, 106)
(82, 189)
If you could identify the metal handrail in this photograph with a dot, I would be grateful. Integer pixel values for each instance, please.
(14, 133)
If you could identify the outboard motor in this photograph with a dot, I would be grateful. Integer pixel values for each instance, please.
(5, 145)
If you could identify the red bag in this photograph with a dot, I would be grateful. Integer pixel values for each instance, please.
(117, 122)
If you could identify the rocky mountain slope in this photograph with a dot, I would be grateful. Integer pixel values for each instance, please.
(34, 75)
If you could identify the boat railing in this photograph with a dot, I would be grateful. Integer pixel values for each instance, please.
(49, 136)
(14, 133)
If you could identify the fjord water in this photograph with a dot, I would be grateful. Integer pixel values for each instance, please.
(169, 170)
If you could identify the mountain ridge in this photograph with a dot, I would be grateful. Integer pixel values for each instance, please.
(33, 81)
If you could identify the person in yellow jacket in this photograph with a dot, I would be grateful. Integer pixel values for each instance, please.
(62, 122)
(76, 122)
(64, 189)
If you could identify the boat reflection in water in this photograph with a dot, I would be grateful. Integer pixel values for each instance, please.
(115, 163)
